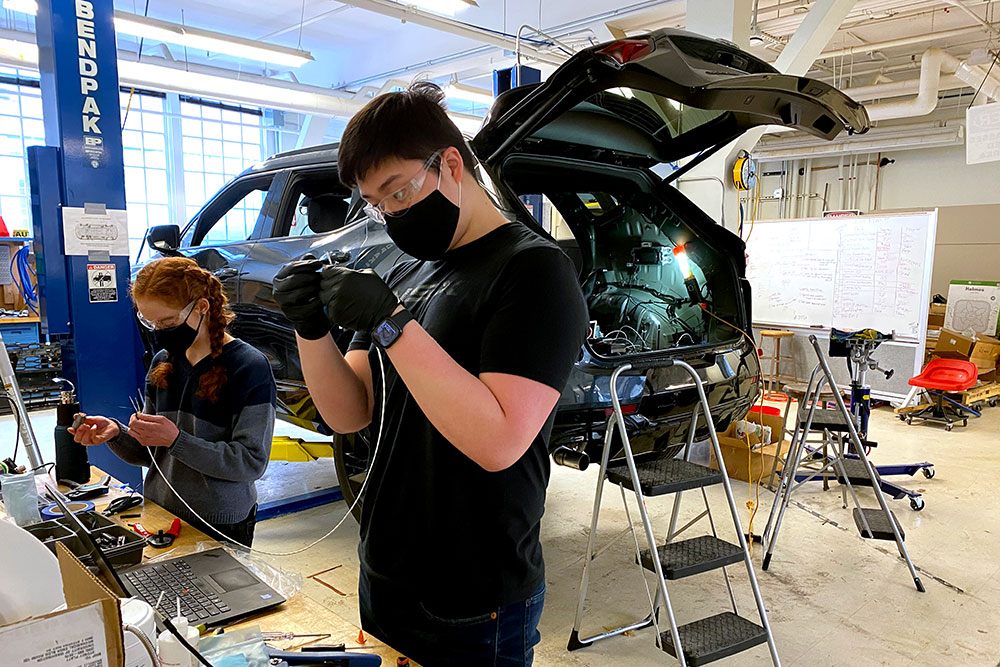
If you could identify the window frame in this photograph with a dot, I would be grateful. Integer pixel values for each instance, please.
(286, 209)
(229, 196)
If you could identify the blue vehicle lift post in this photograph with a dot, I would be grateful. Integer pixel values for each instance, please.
(78, 178)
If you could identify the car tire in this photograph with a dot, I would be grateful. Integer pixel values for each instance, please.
(351, 458)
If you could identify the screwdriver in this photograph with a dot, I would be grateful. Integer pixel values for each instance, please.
(277, 636)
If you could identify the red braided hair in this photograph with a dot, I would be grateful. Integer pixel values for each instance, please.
(177, 281)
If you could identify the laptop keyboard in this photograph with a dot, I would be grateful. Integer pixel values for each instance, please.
(175, 580)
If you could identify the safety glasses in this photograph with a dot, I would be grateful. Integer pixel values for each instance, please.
(181, 318)
(406, 196)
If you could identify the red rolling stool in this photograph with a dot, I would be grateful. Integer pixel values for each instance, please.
(939, 377)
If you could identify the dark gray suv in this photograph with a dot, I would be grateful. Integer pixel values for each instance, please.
(587, 146)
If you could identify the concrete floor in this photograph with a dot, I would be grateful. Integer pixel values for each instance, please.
(833, 598)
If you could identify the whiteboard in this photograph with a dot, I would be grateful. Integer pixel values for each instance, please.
(849, 273)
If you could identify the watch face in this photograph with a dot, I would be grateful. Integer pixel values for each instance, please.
(386, 333)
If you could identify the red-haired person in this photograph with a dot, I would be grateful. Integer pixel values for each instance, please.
(209, 404)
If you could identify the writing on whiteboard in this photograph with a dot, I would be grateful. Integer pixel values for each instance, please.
(848, 273)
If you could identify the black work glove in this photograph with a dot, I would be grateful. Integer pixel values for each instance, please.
(356, 300)
(296, 289)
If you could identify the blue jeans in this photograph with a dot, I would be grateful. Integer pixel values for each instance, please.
(505, 637)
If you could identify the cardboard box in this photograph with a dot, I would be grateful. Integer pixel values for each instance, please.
(985, 354)
(973, 305)
(739, 465)
(87, 632)
(953, 345)
(937, 309)
(935, 321)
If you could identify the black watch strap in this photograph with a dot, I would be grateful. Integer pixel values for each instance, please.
(391, 328)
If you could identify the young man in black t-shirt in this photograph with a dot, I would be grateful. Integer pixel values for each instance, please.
(477, 335)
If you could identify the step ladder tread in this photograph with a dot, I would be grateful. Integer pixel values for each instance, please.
(714, 638)
(830, 419)
(663, 476)
(856, 473)
(879, 523)
(686, 558)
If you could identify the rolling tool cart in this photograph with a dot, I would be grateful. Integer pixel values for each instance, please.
(709, 638)
(872, 523)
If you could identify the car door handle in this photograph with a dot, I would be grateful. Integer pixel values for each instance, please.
(225, 272)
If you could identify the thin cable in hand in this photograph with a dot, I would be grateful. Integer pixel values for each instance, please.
(378, 441)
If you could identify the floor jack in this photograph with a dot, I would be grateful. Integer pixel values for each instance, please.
(857, 347)
(849, 451)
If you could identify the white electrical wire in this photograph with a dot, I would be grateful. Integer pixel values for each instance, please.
(378, 441)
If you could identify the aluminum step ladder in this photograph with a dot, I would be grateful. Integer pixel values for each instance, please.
(848, 464)
(708, 639)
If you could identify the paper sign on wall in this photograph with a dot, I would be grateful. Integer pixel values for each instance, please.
(95, 227)
(982, 133)
(102, 283)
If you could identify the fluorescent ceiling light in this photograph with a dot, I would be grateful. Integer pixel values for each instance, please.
(24, 52)
(23, 6)
(195, 38)
(449, 7)
(466, 123)
(463, 92)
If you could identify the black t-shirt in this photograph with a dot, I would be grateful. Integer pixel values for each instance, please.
(465, 540)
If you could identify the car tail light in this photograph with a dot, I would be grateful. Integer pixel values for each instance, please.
(626, 409)
(627, 50)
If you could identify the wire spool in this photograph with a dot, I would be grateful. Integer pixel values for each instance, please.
(744, 172)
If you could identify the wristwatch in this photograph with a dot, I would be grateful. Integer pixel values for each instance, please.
(391, 328)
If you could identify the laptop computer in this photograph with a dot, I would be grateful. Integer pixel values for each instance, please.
(213, 587)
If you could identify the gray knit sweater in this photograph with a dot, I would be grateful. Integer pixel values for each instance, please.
(223, 446)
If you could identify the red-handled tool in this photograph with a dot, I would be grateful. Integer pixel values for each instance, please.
(160, 539)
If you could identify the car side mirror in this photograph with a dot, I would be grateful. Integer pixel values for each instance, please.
(165, 238)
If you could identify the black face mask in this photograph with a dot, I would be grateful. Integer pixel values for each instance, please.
(176, 340)
(426, 229)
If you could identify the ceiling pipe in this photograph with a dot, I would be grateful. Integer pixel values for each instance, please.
(560, 30)
(862, 11)
(902, 41)
(975, 17)
(933, 63)
(907, 137)
(898, 88)
(409, 14)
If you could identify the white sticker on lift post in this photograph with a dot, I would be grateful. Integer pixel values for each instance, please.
(102, 282)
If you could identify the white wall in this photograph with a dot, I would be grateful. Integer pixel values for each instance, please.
(919, 179)
(967, 196)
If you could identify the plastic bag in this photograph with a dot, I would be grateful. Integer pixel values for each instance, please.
(236, 648)
(285, 582)
(20, 498)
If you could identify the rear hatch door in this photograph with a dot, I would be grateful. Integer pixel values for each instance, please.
(659, 98)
